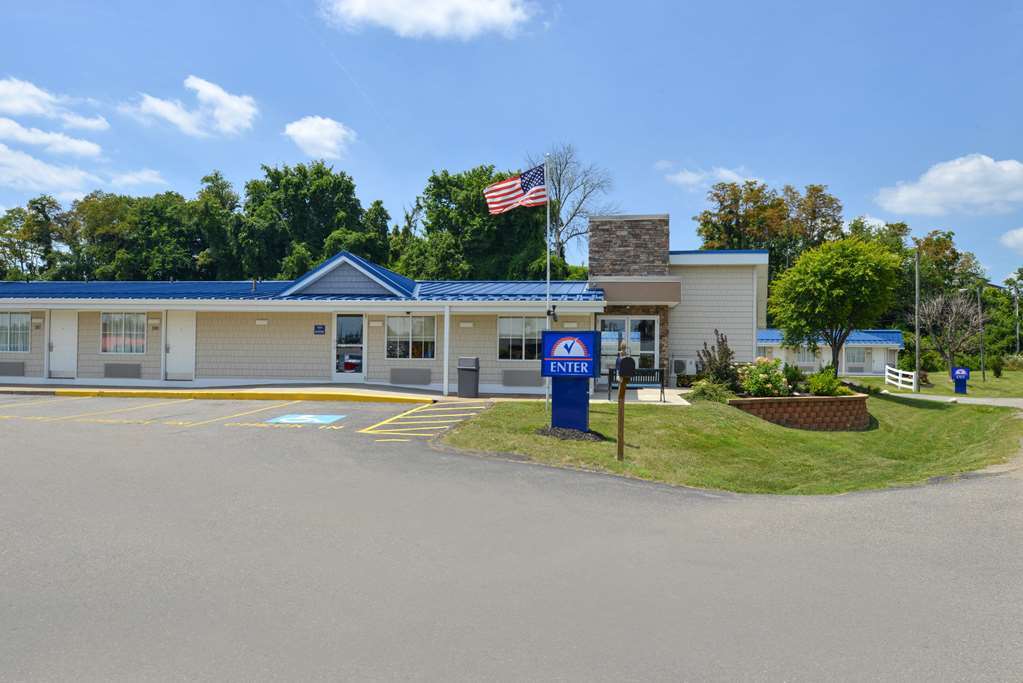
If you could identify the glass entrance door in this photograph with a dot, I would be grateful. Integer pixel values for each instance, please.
(349, 363)
(637, 333)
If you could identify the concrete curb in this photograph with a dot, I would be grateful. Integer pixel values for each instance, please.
(232, 395)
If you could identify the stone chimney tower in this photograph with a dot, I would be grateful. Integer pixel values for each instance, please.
(628, 245)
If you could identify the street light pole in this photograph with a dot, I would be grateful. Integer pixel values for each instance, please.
(980, 309)
(916, 322)
(1016, 292)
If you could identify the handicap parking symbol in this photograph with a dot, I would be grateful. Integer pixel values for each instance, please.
(299, 419)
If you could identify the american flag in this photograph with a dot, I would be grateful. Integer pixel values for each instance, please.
(527, 189)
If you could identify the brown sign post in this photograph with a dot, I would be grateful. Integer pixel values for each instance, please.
(626, 369)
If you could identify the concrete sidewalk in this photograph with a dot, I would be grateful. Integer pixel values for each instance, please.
(965, 400)
(241, 393)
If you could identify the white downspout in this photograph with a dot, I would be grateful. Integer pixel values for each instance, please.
(447, 347)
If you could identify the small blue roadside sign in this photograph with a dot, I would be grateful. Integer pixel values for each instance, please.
(300, 419)
(319, 329)
(569, 354)
(960, 376)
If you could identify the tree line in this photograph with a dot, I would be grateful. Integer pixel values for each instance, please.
(790, 223)
(291, 218)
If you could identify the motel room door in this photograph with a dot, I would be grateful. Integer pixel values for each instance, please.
(63, 344)
(349, 347)
(180, 347)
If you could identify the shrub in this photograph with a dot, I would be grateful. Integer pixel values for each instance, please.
(930, 361)
(717, 363)
(997, 365)
(683, 380)
(795, 377)
(763, 377)
(1014, 362)
(705, 390)
(826, 383)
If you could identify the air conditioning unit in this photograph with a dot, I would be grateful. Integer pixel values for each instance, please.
(678, 366)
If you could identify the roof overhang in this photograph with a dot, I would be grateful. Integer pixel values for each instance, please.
(661, 290)
(333, 264)
(719, 258)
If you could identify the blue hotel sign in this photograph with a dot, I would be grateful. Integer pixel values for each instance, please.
(569, 354)
(570, 359)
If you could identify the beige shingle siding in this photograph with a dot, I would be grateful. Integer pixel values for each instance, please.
(479, 341)
(345, 279)
(91, 361)
(714, 297)
(762, 291)
(233, 346)
(33, 360)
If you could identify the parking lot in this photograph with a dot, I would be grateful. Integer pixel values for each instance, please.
(162, 418)
(147, 539)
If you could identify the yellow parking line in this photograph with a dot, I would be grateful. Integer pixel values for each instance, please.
(371, 428)
(248, 412)
(396, 430)
(402, 440)
(453, 407)
(406, 434)
(47, 400)
(445, 415)
(425, 422)
(115, 410)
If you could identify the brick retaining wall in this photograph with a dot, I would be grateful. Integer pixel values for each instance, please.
(819, 413)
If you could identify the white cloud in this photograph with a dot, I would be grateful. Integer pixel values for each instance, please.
(1013, 239)
(463, 19)
(319, 136)
(72, 120)
(663, 165)
(218, 111)
(144, 176)
(21, 171)
(21, 98)
(55, 143)
(696, 179)
(975, 183)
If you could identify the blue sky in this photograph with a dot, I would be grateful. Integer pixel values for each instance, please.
(907, 110)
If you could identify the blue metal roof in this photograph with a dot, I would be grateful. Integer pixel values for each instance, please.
(273, 290)
(720, 251)
(773, 337)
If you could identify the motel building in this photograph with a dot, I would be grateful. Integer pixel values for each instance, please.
(353, 321)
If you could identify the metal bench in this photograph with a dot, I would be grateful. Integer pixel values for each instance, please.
(646, 378)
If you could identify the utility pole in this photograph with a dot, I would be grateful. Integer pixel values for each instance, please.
(1015, 291)
(916, 322)
(980, 309)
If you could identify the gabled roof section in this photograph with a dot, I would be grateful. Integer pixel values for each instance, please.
(773, 337)
(398, 285)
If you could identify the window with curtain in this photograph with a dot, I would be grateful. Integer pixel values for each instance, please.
(411, 336)
(14, 334)
(123, 332)
(519, 338)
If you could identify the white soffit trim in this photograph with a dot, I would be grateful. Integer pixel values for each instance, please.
(712, 259)
(635, 278)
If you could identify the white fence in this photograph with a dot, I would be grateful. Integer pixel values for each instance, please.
(903, 379)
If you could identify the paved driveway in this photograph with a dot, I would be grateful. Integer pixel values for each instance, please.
(154, 551)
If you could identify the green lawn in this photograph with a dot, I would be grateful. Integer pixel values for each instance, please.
(712, 445)
(1009, 385)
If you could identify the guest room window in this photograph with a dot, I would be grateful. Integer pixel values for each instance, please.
(411, 336)
(519, 338)
(14, 332)
(123, 332)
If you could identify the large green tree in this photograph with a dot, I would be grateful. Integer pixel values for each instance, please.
(832, 290)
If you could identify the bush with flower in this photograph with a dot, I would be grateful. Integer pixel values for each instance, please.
(764, 377)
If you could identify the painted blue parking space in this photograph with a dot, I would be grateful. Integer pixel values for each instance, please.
(305, 419)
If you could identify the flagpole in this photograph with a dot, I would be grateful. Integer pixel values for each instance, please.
(547, 191)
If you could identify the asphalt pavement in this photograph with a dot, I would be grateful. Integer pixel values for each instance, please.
(185, 541)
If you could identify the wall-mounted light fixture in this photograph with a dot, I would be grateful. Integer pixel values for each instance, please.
(376, 323)
(571, 326)
(262, 321)
(466, 324)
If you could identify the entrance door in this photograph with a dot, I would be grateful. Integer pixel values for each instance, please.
(180, 361)
(64, 344)
(349, 364)
(639, 334)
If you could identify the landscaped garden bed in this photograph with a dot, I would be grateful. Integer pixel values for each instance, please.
(820, 413)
